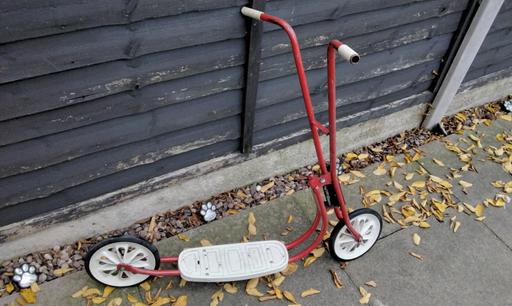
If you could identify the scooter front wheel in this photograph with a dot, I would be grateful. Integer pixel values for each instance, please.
(343, 246)
(102, 259)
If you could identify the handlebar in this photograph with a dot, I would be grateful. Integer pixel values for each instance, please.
(252, 13)
(348, 54)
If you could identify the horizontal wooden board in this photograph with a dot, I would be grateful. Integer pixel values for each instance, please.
(53, 149)
(287, 88)
(282, 135)
(103, 185)
(320, 33)
(34, 57)
(496, 39)
(492, 56)
(348, 95)
(49, 180)
(315, 57)
(28, 19)
(494, 67)
(130, 77)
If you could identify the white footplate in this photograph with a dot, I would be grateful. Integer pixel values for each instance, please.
(232, 262)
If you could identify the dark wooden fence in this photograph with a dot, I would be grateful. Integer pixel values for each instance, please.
(99, 95)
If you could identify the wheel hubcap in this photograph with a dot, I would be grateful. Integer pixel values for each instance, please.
(104, 262)
(347, 247)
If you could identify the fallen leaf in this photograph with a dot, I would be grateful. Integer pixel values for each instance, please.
(290, 269)
(132, 299)
(438, 162)
(28, 295)
(371, 284)
(35, 287)
(181, 301)
(289, 296)
(91, 291)
(309, 260)
(479, 210)
(380, 170)
(365, 296)
(267, 298)
(182, 283)
(465, 184)
(336, 279)
(409, 176)
(118, 301)
(253, 292)
(183, 237)
(75, 295)
(61, 271)
(266, 187)
(9, 288)
(416, 255)
(98, 300)
(416, 238)
(310, 291)
(252, 229)
(252, 283)
(145, 285)
(230, 288)
(205, 242)
(358, 173)
(318, 252)
(441, 182)
(456, 226)
(107, 291)
(418, 184)
(424, 224)
(217, 297)
(290, 219)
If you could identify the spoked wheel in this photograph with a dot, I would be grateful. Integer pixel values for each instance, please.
(101, 261)
(342, 244)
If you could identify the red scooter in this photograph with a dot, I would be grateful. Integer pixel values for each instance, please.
(127, 261)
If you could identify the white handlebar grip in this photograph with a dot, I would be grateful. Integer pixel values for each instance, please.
(249, 12)
(348, 54)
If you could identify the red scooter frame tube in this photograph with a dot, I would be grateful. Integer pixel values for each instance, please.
(315, 182)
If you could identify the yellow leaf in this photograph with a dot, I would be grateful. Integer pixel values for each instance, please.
(418, 184)
(279, 279)
(344, 178)
(230, 288)
(252, 283)
(91, 292)
(217, 297)
(289, 296)
(266, 187)
(371, 284)
(107, 291)
(35, 287)
(380, 170)
(363, 156)
(441, 206)
(181, 301)
(318, 252)
(310, 291)
(465, 184)
(365, 296)
(358, 173)
(480, 218)
(205, 242)
(117, 302)
(183, 283)
(290, 269)
(253, 292)
(479, 210)
(29, 296)
(441, 182)
(350, 156)
(438, 162)
(416, 239)
(9, 288)
(456, 226)
(424, 224)
(290, 219)
(98, 300)
(61, 271)
(309, 261)
(132, 299)
(252, 229)
(79, 293)
(409, 176)
(316, 168)
(267, 298)
(251, 218)
(145, 285)
(183, 237)
(417, 256)
(506, 117)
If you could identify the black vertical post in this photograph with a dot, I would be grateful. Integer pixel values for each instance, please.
(253, 56)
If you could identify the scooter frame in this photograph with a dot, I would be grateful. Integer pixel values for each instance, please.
(327, 180)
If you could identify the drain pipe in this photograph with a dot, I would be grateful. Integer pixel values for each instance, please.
(480, 25)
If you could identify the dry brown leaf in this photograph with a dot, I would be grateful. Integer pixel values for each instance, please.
(416, 239)
(365, 296)
(336, 279)
(417, 256)
(181, 301)
(289, 296)
(308, 292)
(266, 187)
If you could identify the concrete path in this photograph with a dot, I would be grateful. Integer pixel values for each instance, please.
(470, 267)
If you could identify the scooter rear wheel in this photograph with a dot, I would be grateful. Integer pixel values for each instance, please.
(343, 246)
(102, 259)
